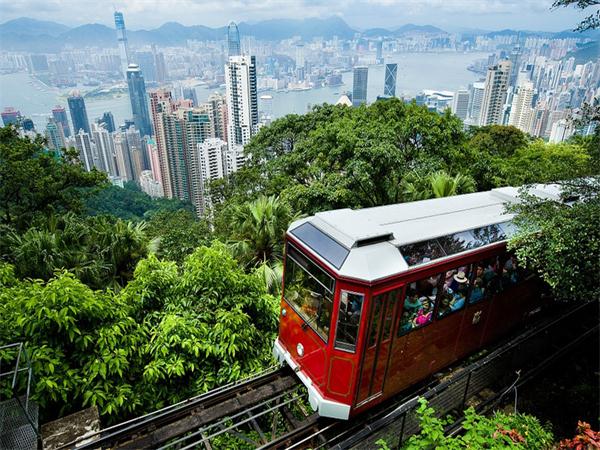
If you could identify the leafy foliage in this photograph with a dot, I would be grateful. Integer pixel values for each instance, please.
(590, 22)
(584, 439)
(550, 240)
(35, 183)
(168, 335)
(514, 431)
(130, 203)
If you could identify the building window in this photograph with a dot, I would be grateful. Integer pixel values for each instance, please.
(309, 290)
(350, 311)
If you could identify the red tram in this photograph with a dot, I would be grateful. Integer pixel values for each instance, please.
(377, 299)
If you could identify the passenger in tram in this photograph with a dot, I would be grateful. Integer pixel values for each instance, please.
(406, 323)
(459, 281)
(478, 291)
(412, 302)
(423, 315)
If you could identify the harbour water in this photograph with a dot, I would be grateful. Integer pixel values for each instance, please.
(416, 71)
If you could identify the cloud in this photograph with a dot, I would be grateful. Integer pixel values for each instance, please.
(531, 14)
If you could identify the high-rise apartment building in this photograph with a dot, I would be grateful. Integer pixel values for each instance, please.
(460, 104)
(359, 86)
(105, 149)
(122, 40)
(494, 96)
(59, 114)
(521, 111)
(86, 148)
(122, 156)
(389, 86)
(242, 104)
(55, 135)
(149, 185)
(233, 40)
(475, 102)
(79, 117)
(137, 96)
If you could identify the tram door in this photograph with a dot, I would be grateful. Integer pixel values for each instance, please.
(377, 346)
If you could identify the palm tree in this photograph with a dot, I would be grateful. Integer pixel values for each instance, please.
(258, 229)
(436, 185)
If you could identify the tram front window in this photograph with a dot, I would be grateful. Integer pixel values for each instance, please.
(309, 290)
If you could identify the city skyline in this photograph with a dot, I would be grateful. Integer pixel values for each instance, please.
(451, 15)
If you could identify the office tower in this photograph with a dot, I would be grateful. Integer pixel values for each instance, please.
(475, 102)
(108, 122)
(162, 103)
(105, 149)
(79, 117)
(233, 40)
(86, 148)
(159, 63)
(521, 112)
(27, 124)
(147, 65)
(359, 86)
(494, 96)
(122, 40)
(389, 87)
(38, 63)
(55, 135)
(189, 93)
(59, 114)
(242, 105)
(300, 56)
(460, 104)
(126, 125)
(379, 52)
(122, 156)
(137, 95)
(10, 116)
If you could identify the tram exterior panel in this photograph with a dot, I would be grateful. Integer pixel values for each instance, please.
(365, 314)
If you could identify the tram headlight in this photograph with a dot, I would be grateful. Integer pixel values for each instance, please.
(300, 349)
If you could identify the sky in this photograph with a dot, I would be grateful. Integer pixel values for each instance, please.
(448, 14)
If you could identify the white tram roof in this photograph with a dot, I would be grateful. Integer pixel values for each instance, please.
(375, 243)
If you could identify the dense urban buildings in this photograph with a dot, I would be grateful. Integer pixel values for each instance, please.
(188, 109)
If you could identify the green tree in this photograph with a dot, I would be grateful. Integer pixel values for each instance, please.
(34, 182)
(562, 243)
(178, 233)
(258, 229)
(435, 185)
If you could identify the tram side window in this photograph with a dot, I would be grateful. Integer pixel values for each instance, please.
(303, 289)
(348, 320)
(419, 304)
(512, 273)
(485, 278)
(455, 290)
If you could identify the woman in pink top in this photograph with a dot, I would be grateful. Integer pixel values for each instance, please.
(423, 316)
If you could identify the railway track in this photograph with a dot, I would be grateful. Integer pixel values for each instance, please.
(266, 411)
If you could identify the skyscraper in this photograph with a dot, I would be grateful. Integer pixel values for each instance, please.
(521, 111)
(159, 63)
(233, 40)
(242, 105)
(379, 52)
(59, 114)
(475, 101)
(137, 95)
(54, 135)
(108, 121)
(460, 103)
(494, 96)
(105, 150)
(359, 86)
(10, 116)
(122, 40)
(389, 87)
(86, 148)
(78, 112)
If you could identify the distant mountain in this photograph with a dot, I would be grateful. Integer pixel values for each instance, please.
(377, 32)
(411, 28)
(586, 52)
(93, 34)
(24, 26)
